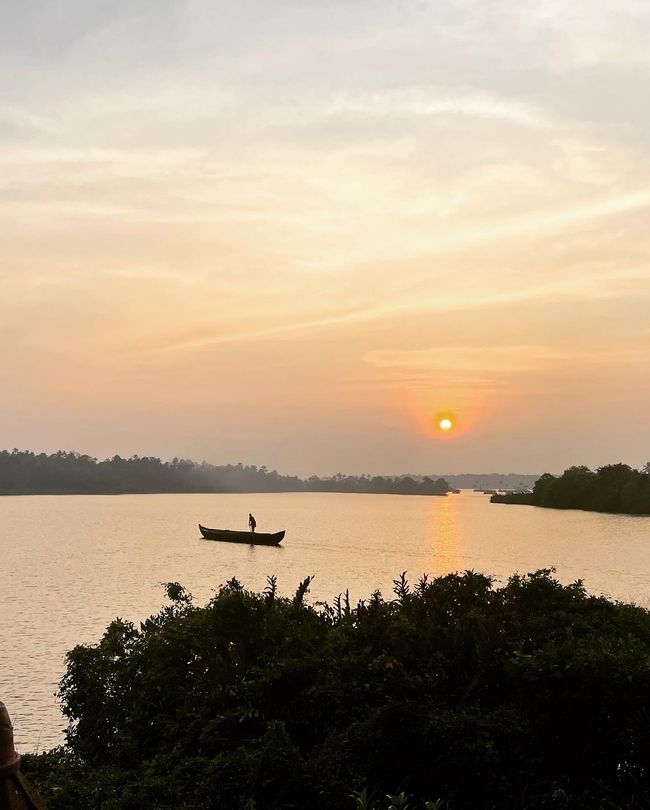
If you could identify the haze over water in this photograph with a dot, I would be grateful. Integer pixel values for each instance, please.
(70, 564)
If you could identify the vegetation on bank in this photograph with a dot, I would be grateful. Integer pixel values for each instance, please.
(25, 473)
(481, 481)
(463, 695)
(615, 488)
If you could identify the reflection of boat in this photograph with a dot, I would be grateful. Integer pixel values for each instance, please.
(254, 538)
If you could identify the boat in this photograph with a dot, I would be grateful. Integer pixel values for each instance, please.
(253, 538)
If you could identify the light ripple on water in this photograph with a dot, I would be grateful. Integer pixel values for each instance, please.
(70, 564)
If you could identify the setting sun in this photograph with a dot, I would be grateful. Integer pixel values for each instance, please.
(445, 424)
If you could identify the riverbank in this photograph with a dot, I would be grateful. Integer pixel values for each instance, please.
(522, 498)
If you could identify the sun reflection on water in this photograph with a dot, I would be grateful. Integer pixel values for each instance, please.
(445, 537)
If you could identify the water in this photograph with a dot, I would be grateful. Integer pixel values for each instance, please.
(70, 564)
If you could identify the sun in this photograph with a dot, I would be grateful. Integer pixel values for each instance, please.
(444, 423)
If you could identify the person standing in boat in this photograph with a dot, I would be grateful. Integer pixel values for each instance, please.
(252, 522)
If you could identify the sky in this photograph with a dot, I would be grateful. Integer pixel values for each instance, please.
(296, 233)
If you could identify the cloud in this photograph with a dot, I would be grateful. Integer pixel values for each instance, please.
(340, 200)
(423, 102)
(604, 284)
(22, 122)
(500, 359)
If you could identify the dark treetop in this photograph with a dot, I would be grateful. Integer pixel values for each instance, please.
(614, 488)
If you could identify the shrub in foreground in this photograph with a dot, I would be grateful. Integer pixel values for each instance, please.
(457, 692)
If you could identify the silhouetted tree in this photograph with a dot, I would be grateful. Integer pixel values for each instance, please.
(616, 488)
(23, 472)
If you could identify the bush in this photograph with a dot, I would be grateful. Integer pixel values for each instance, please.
(458, 692)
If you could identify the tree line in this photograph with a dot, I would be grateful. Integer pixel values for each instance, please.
(616, 488)
(452, 694)
(24, 472)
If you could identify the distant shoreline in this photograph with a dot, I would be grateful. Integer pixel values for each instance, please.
(23, 472)
(238, 492)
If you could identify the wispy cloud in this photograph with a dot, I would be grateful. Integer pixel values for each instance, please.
(501, 359)
(338, 197)
(432, 102)
(26, 121)
(463, 301)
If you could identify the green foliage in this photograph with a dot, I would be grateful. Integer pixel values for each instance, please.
(614, 488)
(400, 801)
(455, 694)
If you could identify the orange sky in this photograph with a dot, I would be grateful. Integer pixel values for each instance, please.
(292, 234)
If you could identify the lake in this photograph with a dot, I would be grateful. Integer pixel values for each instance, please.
(72, 563)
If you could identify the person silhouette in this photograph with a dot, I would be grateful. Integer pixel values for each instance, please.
(252, 522)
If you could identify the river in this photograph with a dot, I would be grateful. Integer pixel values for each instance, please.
(70, 564)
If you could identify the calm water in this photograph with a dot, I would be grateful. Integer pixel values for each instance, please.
(69, 564)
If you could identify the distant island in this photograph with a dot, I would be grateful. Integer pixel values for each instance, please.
(614, 488)
(69, 473)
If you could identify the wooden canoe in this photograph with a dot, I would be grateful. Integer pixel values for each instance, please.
(253, 538)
